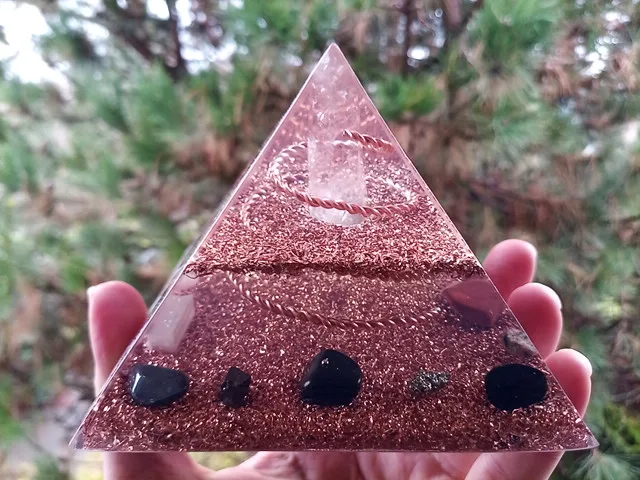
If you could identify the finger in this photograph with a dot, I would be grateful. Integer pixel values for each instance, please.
(153, 466)
(511, 264)
(538, 309)
(296, 466)
(116, 313)
(573, 371)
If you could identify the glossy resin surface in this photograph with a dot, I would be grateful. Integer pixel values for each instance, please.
(332, 304)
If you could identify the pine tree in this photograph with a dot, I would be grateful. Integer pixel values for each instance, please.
(520, 114)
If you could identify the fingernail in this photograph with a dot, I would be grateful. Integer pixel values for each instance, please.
(585, 361)
(552, 294)
(91, 292)
(556, 297)
(532, 249)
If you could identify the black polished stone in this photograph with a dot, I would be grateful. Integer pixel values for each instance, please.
(426, 382)
(153, 386)
(331, 379)
(234, 391)
(515, 386)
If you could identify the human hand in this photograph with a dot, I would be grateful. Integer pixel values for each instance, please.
(117, 312)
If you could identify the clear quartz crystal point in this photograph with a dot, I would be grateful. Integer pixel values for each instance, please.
(332, 305)
(336, 173)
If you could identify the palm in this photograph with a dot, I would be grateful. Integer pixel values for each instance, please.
(117, 312)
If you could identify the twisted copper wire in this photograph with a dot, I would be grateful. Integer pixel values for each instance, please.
(368, 141)
(296, 151)
(257, 196)
(300, 314)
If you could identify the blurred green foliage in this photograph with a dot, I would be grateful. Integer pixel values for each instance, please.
(10, 427)
(520, 114)
(398, 96)
(510, 32)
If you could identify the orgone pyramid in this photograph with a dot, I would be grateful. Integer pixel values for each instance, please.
(332, 305)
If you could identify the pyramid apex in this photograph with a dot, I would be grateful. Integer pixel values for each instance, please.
(333, 47)
(333, 52)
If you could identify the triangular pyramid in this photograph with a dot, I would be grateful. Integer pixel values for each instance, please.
(331, 305)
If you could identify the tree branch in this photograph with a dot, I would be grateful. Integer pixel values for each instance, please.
(627, 219)
(137, 44)
(469, 15)
(119, 31)
(452, 10)
(408, 11)
(123, 24)
(455, 20)
(178, 70)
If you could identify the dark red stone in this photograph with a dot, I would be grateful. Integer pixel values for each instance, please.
(477, 301)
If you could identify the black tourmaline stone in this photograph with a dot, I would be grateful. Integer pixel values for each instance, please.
(152, 386)
(426, 382)
(331, 379)
(515, 386)
(234, 391)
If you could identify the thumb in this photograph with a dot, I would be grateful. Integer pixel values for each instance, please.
(117, 312)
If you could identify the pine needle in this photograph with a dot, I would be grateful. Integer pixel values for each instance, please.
(605, 466)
